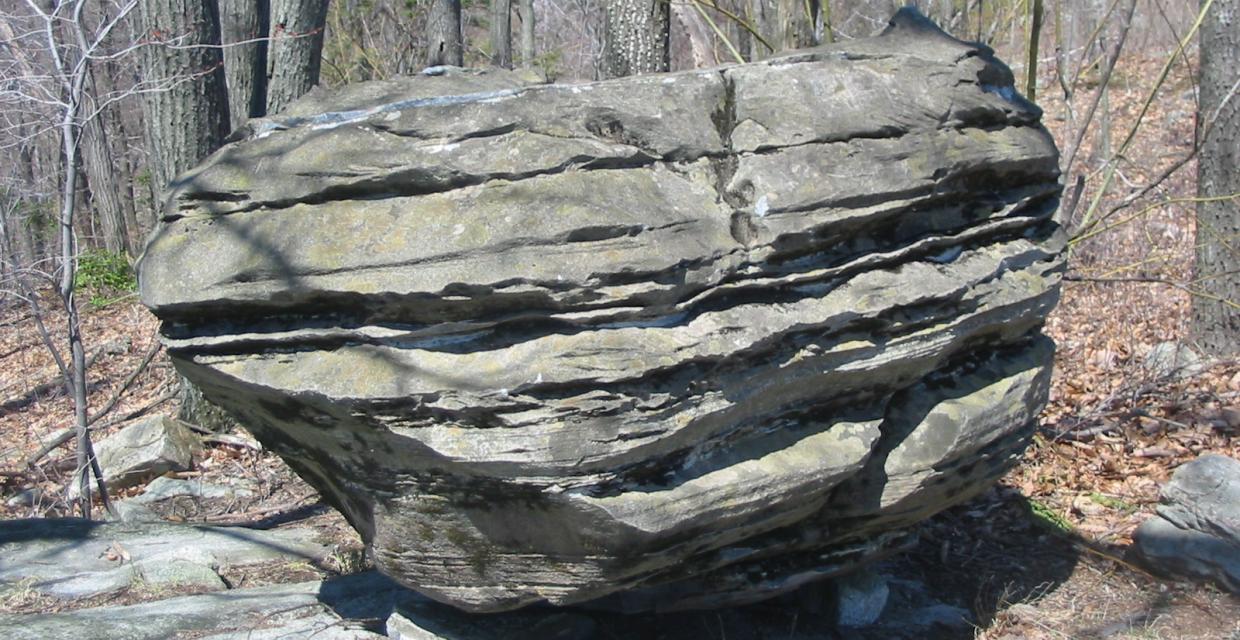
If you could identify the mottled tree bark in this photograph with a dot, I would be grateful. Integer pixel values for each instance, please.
(1216, 312)
(296, 50)
(105, 191)
(636, 37)
(188, 118)
(501, 33)
(526, 7)
(443, 34)
(243, 32)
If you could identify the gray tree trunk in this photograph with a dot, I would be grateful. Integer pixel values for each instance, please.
(98, 159)
(296, 50)
(501, 33)
(526, 7)
(636, 36)
(1216, 313)
(243, 32)
(443, 34)
(186, 121)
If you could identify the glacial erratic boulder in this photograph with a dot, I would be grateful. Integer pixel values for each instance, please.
(666, 341)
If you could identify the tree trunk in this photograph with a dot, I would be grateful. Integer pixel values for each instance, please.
(443, 34)
(243, 32)
(526, 7)
(99, 162)
(1216, 311)
(189, 118)
(636, 35)
(800, 21)
(296, 50)
(501, 33)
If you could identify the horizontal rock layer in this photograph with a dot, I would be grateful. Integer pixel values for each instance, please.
(665, 341)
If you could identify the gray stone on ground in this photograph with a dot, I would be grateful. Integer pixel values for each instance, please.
(70, 558)
(676, 340)
(860, 598)
(1173, 359)
(1196, 532)
(331, 610)
(144, 449)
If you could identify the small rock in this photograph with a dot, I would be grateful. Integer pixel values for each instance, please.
(148, 448)
(1173, 359)
(181, 573)
(27, 498)
(132, 511)
(860, 599)
(1197, 530)
(165, 488)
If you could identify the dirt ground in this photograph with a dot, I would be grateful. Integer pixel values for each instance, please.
(1042, 555)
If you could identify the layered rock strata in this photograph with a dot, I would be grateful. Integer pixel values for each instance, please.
(665, 341)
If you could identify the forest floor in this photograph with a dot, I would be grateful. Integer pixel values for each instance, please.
(1045, 554)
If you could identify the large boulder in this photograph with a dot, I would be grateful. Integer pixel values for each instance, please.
(666, 341)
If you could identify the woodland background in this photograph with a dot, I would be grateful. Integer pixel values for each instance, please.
(103, 102)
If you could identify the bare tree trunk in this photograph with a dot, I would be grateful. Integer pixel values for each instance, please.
(501, 33)
(636, 37)
(105, 189)
(296, 50)
(187, 119)
(526, 7)
(1216, 311)
(443, 34)
(800, 23)
(763, 16)
(243, 32)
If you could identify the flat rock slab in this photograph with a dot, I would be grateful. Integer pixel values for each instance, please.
(1196, 532)
(331, 610)
(71, 558)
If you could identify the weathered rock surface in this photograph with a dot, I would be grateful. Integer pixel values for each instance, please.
(332, 610)
(1196, 532)
(70, 558)
(666, 341)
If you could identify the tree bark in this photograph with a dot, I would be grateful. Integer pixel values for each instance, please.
(526, 7)
(187, 118)
(243, 32)
(105, 189)
(636, 34)
(501, 33)
(1216, 310)
(443, 34)
(296, 50)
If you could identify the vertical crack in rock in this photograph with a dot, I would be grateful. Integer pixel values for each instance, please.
(668, 341)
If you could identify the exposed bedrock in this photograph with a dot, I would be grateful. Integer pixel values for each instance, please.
(666, 341)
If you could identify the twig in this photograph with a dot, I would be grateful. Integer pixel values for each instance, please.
(260, 513)
(42, 389)
(68, 434)
(116, 397)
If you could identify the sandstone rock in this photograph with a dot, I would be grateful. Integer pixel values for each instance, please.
(666, 341)
(147, 448)
(1197, 530)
